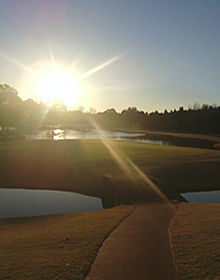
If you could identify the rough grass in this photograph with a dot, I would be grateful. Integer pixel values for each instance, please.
(81, 165)
(57, 246)
(195, 240)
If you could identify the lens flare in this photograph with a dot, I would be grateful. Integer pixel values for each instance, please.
(135, 177)
(58, 85)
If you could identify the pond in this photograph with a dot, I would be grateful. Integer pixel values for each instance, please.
(203, 197)
(95, 134)
(22, 203)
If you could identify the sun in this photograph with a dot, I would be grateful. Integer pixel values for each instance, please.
(58, 84)
(47, 81)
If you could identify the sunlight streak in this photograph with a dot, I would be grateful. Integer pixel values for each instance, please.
(52, 56)
(131, 170)
(71, 67)
(98, 68)
(21, 65)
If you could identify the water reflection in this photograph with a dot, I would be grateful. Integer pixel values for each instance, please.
(99, 134)
(94, 134)
(22, 203)
(58, 134)
(203, 197)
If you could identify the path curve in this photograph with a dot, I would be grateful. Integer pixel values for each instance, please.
(139, 248)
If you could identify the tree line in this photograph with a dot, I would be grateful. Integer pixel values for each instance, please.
(28, 115)
(204, 119)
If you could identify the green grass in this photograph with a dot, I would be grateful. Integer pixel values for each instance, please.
(81, 166)
(195, 239)
(57, 246)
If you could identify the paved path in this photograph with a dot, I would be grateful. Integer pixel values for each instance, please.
(139, 248)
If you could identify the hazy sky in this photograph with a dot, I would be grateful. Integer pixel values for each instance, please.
(152, 54)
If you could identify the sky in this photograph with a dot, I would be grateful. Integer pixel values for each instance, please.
(149, 54)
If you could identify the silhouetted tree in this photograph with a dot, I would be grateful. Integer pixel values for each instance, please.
(11, 110)
(34, 114)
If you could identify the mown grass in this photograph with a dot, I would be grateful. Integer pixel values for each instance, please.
(195, 240)
(57, 246)
(81, 166)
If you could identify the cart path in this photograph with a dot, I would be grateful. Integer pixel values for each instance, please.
(139, 248)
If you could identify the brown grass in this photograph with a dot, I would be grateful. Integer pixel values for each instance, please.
(195, 239)
(57, 246)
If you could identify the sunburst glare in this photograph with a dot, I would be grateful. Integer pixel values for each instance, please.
(58, 84)
(47, 80)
